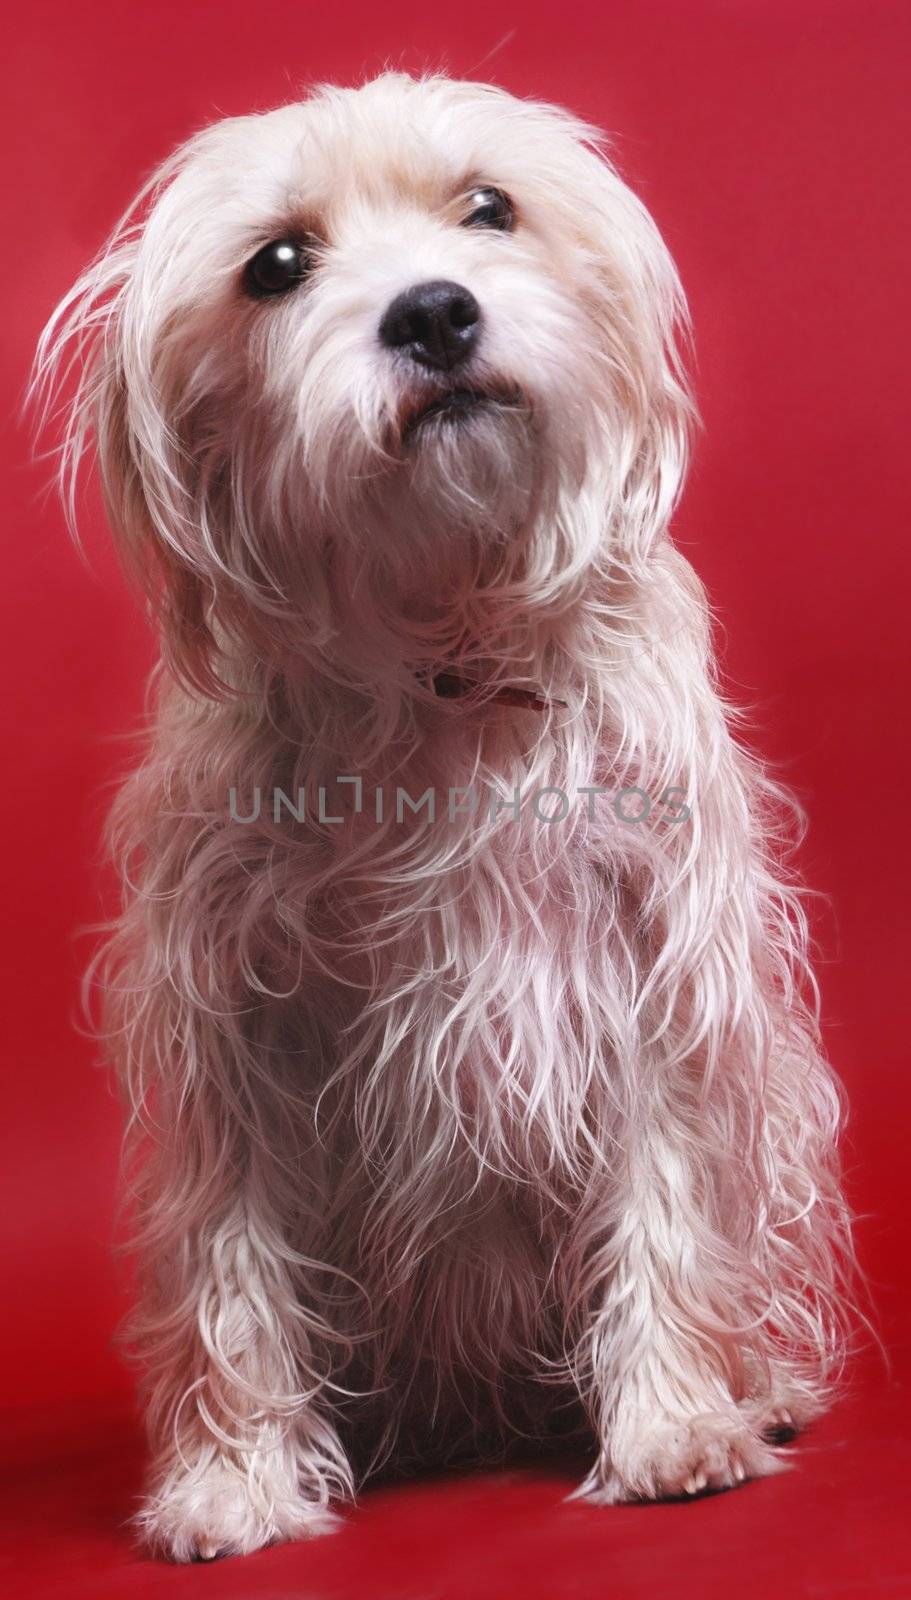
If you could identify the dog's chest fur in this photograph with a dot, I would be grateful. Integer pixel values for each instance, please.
(472, 1064)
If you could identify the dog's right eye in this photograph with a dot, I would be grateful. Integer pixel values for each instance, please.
(276, 268)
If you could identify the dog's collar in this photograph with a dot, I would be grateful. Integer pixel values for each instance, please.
(451, 686)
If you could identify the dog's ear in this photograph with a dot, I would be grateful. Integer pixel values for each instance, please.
(646, 328)
(94, 388)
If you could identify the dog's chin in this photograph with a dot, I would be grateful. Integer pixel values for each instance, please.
(469, 463)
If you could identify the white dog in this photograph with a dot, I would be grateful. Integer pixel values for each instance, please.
(459, 992)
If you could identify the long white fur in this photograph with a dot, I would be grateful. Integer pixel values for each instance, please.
(427, 1113)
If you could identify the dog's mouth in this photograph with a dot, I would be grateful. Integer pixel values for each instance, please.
(455, 407)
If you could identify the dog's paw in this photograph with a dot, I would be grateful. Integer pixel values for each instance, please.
(707, 1453)
(215, 1511)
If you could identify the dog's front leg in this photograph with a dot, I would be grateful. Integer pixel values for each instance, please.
(246, 1453)
(661, 1361)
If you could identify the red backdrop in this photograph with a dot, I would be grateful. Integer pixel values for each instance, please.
(768, 138)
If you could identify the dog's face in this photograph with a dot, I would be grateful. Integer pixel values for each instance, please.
(412, 341)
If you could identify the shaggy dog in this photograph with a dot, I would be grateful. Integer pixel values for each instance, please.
(459, 992)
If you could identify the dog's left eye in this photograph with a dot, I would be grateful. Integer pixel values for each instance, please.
(276, 268)
(489, 208)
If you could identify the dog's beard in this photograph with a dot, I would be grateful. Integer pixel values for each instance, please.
(429, 560)
(457, 497)
(403, 548)
(467, 468)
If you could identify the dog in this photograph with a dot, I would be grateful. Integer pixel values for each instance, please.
(460, 992)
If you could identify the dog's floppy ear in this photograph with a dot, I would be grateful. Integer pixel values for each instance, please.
(95, 385)
(646, 328)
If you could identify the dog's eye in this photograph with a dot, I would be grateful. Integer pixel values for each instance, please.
(489, 208)
(276, 268)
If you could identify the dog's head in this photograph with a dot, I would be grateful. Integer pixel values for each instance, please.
(375, 355)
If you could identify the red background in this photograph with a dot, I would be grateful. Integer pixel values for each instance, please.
(769, 138)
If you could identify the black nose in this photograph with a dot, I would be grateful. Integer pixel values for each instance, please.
(436, 324)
